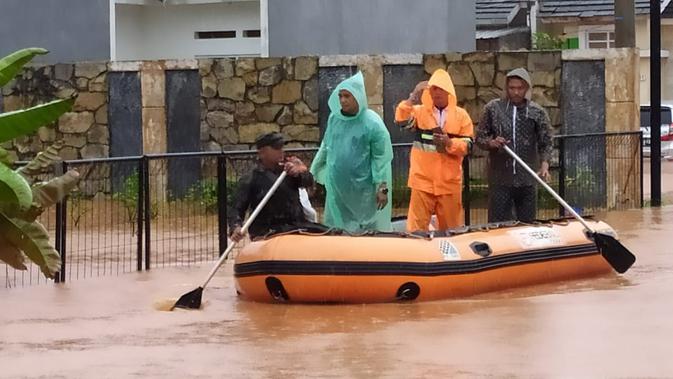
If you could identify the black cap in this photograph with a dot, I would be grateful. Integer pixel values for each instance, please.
(273, 139)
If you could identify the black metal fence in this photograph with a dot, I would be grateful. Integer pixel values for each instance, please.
(136, 213)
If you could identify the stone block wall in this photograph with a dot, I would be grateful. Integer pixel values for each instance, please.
(479, 77)
(84, 130)
(243, 98)
(240, 99)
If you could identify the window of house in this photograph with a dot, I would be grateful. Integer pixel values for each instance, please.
(216, 34)
(600, 39)
(252, 33)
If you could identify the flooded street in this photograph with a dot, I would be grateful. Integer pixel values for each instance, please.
(666, 180)
(614, 326)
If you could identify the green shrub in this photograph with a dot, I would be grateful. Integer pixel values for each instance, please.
(204, 193)
(545, 41)
(128, 196)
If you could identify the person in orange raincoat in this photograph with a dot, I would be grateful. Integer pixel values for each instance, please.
(444, 135)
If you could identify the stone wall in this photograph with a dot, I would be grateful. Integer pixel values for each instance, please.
(243, 98)
(84, 130)
(240, 99)
(479, 77)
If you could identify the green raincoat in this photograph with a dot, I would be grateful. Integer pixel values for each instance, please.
(353, 160)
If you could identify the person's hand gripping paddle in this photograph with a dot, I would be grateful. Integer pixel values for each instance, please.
(192, 299)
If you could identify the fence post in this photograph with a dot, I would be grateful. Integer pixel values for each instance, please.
(147, 208)
(57, 240)
(466, 189)
(222, 202)
(140, 214)
(61, 220)
(642, 181)
(561, 173)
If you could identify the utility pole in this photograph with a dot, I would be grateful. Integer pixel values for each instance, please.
(625, 27)
(655, 101)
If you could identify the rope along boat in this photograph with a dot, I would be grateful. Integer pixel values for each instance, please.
(402, 267)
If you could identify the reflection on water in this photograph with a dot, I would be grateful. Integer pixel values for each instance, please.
(601, 327)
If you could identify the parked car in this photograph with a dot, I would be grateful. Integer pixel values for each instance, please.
(666, 128)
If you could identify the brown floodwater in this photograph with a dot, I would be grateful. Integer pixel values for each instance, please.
(612, 326)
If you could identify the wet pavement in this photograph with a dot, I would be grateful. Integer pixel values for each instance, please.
(613, 326)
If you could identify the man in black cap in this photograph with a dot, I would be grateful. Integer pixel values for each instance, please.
(283, 212)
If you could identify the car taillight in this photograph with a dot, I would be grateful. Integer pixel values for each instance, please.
(669, 135)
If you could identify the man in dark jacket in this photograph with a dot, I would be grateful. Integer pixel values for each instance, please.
(283, 212)
(524, 126)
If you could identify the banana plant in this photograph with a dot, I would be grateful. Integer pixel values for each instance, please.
(22, 198)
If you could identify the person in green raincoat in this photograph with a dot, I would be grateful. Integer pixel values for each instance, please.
(354, 162)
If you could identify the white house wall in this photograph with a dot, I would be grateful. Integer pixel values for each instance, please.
(331, 27)
(128, 32)
(168, 32)
(643, 43)
(642, 26)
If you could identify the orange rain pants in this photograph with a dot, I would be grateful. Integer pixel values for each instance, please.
(448, 209)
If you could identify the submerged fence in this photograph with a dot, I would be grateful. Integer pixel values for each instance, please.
(136, 213)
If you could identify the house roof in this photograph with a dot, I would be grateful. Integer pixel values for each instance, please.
(496, 13)
(592, 8)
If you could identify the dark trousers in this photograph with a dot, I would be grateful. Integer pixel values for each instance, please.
(512, 203)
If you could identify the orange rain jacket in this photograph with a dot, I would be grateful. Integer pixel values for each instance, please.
(432, 171)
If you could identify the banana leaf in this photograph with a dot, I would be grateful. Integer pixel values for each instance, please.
(14, 189)
(26, 121)
(13, 211)
(49, 193)
(32, 238)
(12, 64)
(5, 157)
(42, 161)
(11, 255)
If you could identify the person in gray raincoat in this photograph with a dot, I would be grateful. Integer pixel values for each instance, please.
(523, 125)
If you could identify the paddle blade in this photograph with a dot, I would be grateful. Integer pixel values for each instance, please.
(619, 257)
(190, 300)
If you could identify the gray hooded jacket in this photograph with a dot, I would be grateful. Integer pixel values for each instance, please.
(531, 139)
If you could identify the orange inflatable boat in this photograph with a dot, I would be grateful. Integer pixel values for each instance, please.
(399, 267)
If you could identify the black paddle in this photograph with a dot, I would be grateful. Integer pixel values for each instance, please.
(617, 255)
(192, 299)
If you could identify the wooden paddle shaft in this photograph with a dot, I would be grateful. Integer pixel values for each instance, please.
(548, 188)
(246, 225)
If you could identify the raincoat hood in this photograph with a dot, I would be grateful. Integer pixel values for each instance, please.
(521, 73)
(356, 86)
(440, 78)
